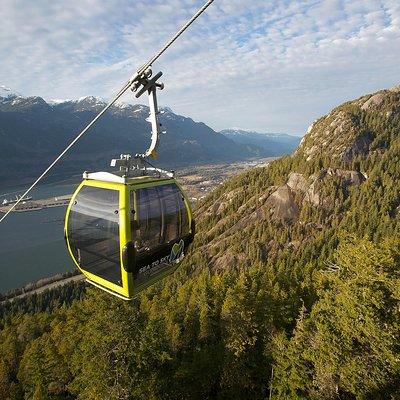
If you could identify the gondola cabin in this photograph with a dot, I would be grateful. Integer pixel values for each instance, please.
(125, 234)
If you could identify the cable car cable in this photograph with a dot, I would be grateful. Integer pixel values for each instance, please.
(179, 33)
(127, 85)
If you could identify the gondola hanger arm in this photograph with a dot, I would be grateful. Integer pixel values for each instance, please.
(150, 86)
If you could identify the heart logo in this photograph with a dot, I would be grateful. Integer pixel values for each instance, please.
(177, 251)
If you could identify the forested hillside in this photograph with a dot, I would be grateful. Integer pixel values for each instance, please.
(290, 291)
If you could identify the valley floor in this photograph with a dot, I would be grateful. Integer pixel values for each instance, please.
(200, 180)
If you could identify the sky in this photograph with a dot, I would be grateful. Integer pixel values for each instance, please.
(270, 66)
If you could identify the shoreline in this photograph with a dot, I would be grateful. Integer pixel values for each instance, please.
(38, 287)
(41, 204)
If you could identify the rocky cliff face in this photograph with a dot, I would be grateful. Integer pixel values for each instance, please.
(342, 176)
(343, 134)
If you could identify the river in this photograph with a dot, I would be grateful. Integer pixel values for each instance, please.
(32, 243)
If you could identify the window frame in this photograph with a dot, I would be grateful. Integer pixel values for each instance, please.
(124, 236)
(134, 221)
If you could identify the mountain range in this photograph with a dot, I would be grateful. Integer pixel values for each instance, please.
(33, 132)
(271, 144)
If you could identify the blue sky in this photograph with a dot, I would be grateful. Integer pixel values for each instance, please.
(264, 65)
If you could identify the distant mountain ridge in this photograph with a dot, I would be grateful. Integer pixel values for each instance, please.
(242, 131)
(33, 131)
(272, 144)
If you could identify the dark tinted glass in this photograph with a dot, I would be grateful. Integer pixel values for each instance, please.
(170, 204)
(162, 216)
(150, 218)
(93, 230)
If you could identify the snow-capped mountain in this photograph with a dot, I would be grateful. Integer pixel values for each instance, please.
(33, 131)
(241, 131)
(272, 144)
(9, 99)
(6, 92)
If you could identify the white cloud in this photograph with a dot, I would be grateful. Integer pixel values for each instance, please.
(262, 65)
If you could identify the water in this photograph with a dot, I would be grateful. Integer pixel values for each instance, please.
(32, 243)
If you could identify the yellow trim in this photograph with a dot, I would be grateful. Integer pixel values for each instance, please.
(121, 188)
(187, 204)
(128, 288)
(124, 235)
(107, 290)
(146, 179)
(150, 183)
